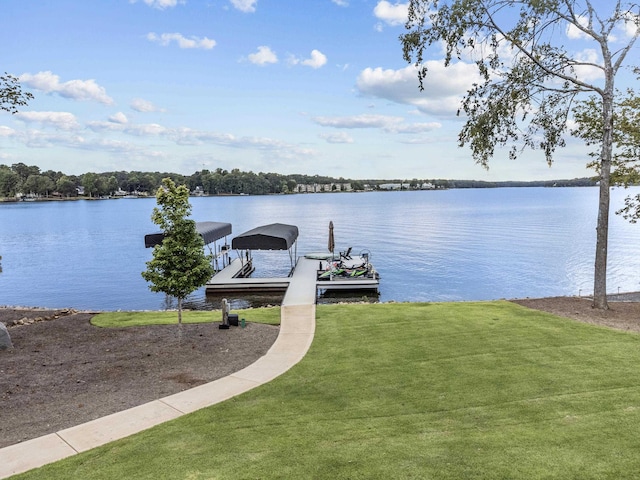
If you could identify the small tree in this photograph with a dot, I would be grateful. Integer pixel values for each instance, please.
(179, 265)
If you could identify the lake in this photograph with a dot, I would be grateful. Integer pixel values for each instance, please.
(449, 245)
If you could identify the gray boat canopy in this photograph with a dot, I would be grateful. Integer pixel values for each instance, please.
(209, 231)
(275, 236)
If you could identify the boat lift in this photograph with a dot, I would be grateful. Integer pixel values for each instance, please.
(275, 236)
(210, 232)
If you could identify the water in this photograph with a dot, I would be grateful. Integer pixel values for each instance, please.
(451, 245)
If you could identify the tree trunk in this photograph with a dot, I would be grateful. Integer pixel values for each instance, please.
(602, 240)
(179, 321)
(602, 229)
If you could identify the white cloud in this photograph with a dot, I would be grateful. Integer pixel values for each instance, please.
(146, 130)
(341, 3)
(247, 6)
(38, 139)
(317, 59)
(358, 121)
(116, 135)
(6, 131)
(105, 126)
(75, 89)
(59, 120)
(392, 14)
(444, 87)
(272, 147)
(137, 130)
(574, 33)
(160, 4)
(631, 24)
(191, 137)
(588, 73)
(340, 137)
(386, 123)
(416, 127)
(140, 105)
(119, 118)
(263, 56)
(165, 39)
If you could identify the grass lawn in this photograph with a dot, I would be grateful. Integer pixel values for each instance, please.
(428, 391)
(270, 316)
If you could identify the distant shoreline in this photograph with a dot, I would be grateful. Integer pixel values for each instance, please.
(455, 184)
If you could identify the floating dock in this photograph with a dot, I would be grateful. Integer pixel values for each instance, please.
(232, 280)
(362, 276)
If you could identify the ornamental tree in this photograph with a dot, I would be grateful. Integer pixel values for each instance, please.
(179, 265)
(529, 80)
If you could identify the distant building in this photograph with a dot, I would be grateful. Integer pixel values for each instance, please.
(394, 186)
(323, 187)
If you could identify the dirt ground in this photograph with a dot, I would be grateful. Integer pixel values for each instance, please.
(64, 371)
(621, 315)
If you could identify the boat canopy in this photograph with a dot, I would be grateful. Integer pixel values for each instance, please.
(209, 231)
(275, 236)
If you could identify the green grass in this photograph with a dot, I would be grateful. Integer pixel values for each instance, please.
(408, 391)
(270, 316)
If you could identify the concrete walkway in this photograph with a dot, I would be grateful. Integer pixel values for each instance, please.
(297, 328)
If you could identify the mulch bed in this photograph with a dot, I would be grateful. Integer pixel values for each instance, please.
(62, 371)
(621, 315)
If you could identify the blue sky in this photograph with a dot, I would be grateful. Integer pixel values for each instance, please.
(313, 87)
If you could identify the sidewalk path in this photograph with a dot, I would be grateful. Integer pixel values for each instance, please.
(297, 328)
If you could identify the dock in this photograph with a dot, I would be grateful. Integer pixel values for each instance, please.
(232, 279)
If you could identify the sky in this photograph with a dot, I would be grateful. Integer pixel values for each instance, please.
(315, 87)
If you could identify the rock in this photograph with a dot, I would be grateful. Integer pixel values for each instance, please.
(5, 339)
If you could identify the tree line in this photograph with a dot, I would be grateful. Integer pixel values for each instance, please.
(25, 179)
(30, 180)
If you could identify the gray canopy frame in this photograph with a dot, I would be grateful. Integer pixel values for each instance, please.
(275, 236)
(210, 232)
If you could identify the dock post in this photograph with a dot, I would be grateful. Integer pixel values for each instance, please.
(225, 315)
